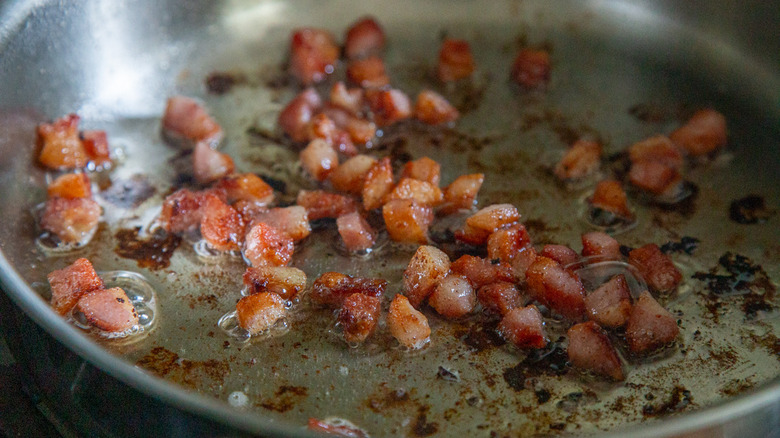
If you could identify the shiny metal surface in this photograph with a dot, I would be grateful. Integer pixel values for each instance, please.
(115, 64)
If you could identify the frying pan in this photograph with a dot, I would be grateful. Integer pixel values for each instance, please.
(622, 71)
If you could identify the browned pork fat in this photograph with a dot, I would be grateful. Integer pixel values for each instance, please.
(597, 243)
(581, 159)
(350, 176)
(246, 187)
(422, 169)
(71, 220)
(331, 288)
(364, 37)
(481, 224)
(355, 232)
(313, 54)
(184, 118)
(96, 146)
(428, 266)
(70, 185)
(590, 349)
(319, 159)
(461, 194)
(505, 244)
(108, 309)
(221, 225)
(181, 210)
(408, 325)
(259, 312)
(389, 106)
(347, 99)
(358, 317)
(560, 253)
(531, 68)
(377, 184)
(455, 60)
(407, 221)
(421, 192)
(293, 220)
(524, 327)
(284, 281)
(499, 297)
(321, 204)
(656, 267)
(480, 272)
(649, 326)
(59, 144)
(209, 165)
(453, 297)
(265, 245)
(610, 304)
(432, 108)
(69, 284)
(557, 288)
(702, 134)
(610, 196)
(368, 72)
(295, 117)
(655, 165)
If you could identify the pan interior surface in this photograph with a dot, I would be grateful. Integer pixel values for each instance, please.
(621, 72)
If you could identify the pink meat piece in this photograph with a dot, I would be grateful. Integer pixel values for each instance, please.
(480, 272)
(649, 326)
(590, 349)
(358, 317)
(610, 304)
(331, 288)
(295, 117)
(499, 297)
(71, 220)
(453, 297)
(556, 288)
(560, 253)
(524, 327)
(209, 165)
(185, 118)
(356, 233)
(597, 243)
(69, 284)
(655, 267)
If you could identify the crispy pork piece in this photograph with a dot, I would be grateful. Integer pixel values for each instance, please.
(581, 159)
(59, 144)
(421, 192)
(209, 165)
(506, 243)
(347, 99)
(453, 297)
(259, 312)
(655, 177)
(96, 146)
(350, 176)
(423, 169)
(70, 185)
(389, 106)
(71, 220)
(313, 54)
(358, 316)
(499, 297)
(108, 309)
(560, 253)
(531, 68)
(319, 159)
(69, 284)
(597, 243)
(321, 204)
(481, 224)
(293, 220)
(181, 211)
(455, 60)
(702, 134)
(356, 233)
(264, 245)
(649, 326)
(221, 225)
(365, 37)
(610, 196)
(658, 148)
(655, 267)
(408, 325)
(323, 127)
(246, 187)
(331, 288)
(406, 221)
(336, 427)
(590, 349)
(186, 119)
(556, 288)
(368, 72)
(610, 304)
(295, 117)
(433, 109)
(521, 262)
(480, 272)
(461, 194)
(284, 281)
(377, 184)
(524, 327)
(428, 266)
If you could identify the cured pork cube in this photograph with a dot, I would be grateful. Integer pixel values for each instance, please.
(348, 99)
(406, 221)
(556, 288)
(504, 244)
(70, 185)
(59, 144)
(480, 272)
(389, 106)
(356, 233)
(658, 148)
(364, 37)
(453, 297)
(481, 224)
(499, 297)
(590, 349)
(531, 68)
(96, 146)
(358, 317)
(702, 134)
(432, 108)
(655, 177)
(264, 245)
(597, 243)
(350, 176)
(259, 312)
(461, 194)
(323, 127)
(181, 211)
(368, 72)
(221, 225)
(423, 169)
(428, 266)
(184, 118)
(455, 60)
(331, 288)
(610, 304)
(377, 184)
(69, 284)
(561, 254)
(108, 309)
(295, 117)
(319, 159)
(421, 192)
(320, 204)
(313, 54)
(581, 159)
(655, 267)
(523, 327)
(209, 165)
(293, 221)
(284, 281)
(649, 326)
(521, 262)
(610, 196)
(71, 220)
(408, 325)
(246, 187)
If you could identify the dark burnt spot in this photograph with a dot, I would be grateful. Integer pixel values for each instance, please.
(685, 244)
(483, 335)
(539, 226)
(551, 360)
(129, 193)
(625, 250)
(749, 210)
(542, 396)
(448, 375)
(656, 112)
(285, 398)
(421, 426)
(120, 300)
(388, 398)
(221, 83)
(678, 400)
(558, 426)
(737, 275)
(194, 374)
(153, 252)
(276, 184)
(558, 123)
(183, 179)
(684, 207)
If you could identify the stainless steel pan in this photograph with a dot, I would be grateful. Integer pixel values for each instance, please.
(622, 70)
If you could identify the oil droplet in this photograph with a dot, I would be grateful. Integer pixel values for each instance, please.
(207, 253)
(238, 399)
(595, 271)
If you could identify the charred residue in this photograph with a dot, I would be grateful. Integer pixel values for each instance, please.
(285, 398)
(129, 193)
(483, 335)
(421, 425)
(191, 373)
(558, 123)
(685, 245)
(222, 82)
(551, 360)
(650, 112)
(679, 399)
(749, 210)
(153, 252)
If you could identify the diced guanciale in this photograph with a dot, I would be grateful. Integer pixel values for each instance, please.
(347, 99)
(377, 184)
(264, 245)
(499, 297)
(610, 196)
(481, 224)
(246, 187)
(295, 117)
(358, 317)
(455, 60)
(655, 267)
(355, 232)
(71, 220)
(580, 160)
(702, 134)
(408, 325)
(433, 109)
(313, 54)
(428, 266)
(389, 106)
(186, 119)
(368, 72)
(506, 243)
(610, 304)
(655, 165)
(590, 349)
(70, 185)
(406, 221)
(284, 281)
(480, 272)
(531, 68)
(210, 165)
(319, 159)
(69, 284)
(421, 192)
(221, 225)
(259, 312)
(293, 220)
(461, 194)
(331, 288)
(364, 37)
(524, 327)
(556, 288)
(560, 253)
(320, 204)
(108, 309)
(597, 243)
(453, 297)
(96, 146)
(59, 144)
(423, 169)
(350, 176)
(181, 211)
(649, 326)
